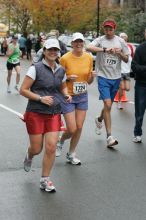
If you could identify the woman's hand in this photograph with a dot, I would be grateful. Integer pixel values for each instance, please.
(93, 74)
(91, 77)
(68, 98)
(48, 100)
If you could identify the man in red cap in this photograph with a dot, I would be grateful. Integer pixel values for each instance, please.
(111, 50)
(110, 23)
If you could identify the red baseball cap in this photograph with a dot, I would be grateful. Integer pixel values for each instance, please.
(110, 23)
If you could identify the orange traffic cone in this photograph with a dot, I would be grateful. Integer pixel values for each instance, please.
(62, 128)
(123, 99)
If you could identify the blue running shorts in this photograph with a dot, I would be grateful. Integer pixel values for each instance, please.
(108, 87)
(79, 102)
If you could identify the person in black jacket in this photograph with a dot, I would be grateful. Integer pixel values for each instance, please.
(55, 34)
(139, 68)
(28, 48)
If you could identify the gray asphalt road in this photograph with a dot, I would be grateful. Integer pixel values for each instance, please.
(110, 185)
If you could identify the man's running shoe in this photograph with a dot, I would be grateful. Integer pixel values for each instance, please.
(98, 124)
(8, 89)
(72, 159)
(59, 148)
(119, 106)
(47, 185)
(27, 163)
(137, 139)
(111, 141)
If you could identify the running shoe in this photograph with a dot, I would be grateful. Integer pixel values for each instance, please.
(8, 89)
(72, 159)
(47, 185)
(16, 88)
(27, 163)
(59, 148)
(111, 141)
(119, 106)
(99, 125)
(137, 139)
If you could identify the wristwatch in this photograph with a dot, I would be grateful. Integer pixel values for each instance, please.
(40, 99)
(104, 49)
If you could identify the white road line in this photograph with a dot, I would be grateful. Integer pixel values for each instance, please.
(13, 111)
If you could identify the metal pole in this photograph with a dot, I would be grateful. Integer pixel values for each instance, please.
(98, 13)
(9, 19)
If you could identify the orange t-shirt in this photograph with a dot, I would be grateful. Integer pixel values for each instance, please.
(80, 66)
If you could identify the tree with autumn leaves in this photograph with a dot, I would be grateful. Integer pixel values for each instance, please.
(25, 16)
(44, 15)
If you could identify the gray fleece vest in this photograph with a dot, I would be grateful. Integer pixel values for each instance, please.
(47, 83)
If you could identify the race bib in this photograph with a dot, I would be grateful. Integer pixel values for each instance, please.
(79, 87)
(111, 61)
(15, 61)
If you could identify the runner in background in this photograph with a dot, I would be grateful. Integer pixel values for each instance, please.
(13, 61)
(125, 71)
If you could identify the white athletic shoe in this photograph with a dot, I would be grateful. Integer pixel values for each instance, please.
(137, 139)
(47, 185)
(8, 89)
(119, 105)
(27, 163)
(111, 141)
(99, 125)
(59, 148)
(72, 159)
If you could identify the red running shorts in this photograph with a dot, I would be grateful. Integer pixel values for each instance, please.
(38, 123)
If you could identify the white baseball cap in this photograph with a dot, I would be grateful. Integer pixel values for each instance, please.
(123, 35)
(50, 43)
(77, 36)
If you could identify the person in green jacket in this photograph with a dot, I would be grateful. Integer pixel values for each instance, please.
(13, 61)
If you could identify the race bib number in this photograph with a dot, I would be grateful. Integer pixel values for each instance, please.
(79, 87)
(111, 61)
(15, 61)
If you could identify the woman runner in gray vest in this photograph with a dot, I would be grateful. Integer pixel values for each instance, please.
(44, 85)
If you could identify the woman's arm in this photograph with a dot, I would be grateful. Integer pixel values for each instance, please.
(25, 89)
(26, 92)
(10, 51)
(64, 91)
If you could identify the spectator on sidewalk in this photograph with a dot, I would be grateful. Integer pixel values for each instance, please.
(22, 45)
(53, 34)
(28, 48)
(4, 46)
(38, 44)
(139, 68)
